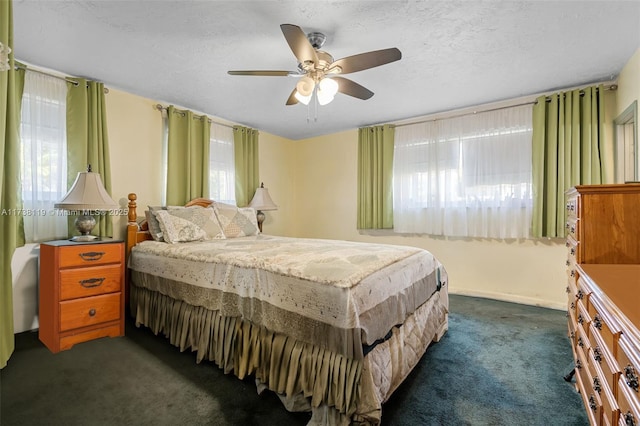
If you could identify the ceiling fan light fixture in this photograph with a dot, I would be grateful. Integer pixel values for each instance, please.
(327, 89)
(302, 98)
(324, 97)
(328, 86)
(305, 86)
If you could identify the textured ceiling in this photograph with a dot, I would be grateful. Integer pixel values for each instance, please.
(454, 53)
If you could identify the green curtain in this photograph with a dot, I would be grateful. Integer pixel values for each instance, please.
(375, 177)
(11, 86)
(568, 150)
(187, 156)
(88, 140)
(245, 147)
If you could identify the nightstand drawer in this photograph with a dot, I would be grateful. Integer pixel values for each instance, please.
(90, 255)
(89, 311)
(83, 282)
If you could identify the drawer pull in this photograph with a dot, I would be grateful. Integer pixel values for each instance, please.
(597, 354)
(580, 294)
(573, 273)
(597, 322)
(580, 319)
(572, 335)
(580, 342)
(567, 244)
(573, 305)
(91, 282)
(592, 403)
(578, 364)
(573, 251)
(92, 312)
(567, 263)
(92, 256)
(631, 378)
(629, 420)
(596, 385)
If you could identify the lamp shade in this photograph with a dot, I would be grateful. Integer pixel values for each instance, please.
(87, 193)
(262, 200)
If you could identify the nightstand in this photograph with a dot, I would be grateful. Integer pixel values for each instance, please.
(81, 292)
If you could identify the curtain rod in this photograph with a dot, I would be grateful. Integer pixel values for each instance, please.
(464, 114)
(67, 79)
(164, 108)
(547, 98)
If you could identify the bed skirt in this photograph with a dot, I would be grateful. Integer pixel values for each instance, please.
(339, 390)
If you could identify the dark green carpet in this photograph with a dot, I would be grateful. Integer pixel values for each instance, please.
(499, 364)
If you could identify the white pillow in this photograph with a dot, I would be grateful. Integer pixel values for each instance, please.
(205, 218)
(237, 221)
(189, 224)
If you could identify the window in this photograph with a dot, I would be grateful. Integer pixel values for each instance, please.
(43, 156)
(222, 164)
(468, 176)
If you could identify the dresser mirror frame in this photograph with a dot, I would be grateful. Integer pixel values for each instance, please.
(627, 149)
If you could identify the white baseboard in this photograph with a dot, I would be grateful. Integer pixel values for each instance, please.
(514, 298)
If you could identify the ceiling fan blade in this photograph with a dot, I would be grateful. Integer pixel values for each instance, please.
(367, 60)
(351, 88)
(262, 73)
(299, 44)
(292, 98)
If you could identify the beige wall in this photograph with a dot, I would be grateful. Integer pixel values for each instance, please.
(135, 143)
(628, 84)
(276, 157)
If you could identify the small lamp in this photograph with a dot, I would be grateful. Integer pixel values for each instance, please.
(262, 201)
(86, 194)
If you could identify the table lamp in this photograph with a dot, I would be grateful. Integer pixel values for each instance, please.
(87, 195)
(262, 201)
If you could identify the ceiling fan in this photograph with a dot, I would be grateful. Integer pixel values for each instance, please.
(319, 73)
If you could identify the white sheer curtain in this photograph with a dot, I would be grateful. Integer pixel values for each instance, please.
(44, 156)
(467, 176)
(222, 175)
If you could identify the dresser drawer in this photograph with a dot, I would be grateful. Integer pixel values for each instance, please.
(572, 207)
(628, 404)
(89, 311)
(629, 367)
(608, 369)
(572, 252)
(590, 397)
(610, 410)
(603, 324)
(582, 341)
(583, 319)
(90, 255)
(571, 228)
(83, 282)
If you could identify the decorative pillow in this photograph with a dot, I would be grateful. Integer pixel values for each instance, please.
(236, 221)
(152, 221)
(178, 230)
(202, 217)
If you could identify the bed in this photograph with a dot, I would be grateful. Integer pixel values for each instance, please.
(333, 327)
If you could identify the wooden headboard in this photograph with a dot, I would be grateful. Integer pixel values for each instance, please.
(134, 233)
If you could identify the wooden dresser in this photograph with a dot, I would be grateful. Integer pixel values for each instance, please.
(81, 292)
(603, 267)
